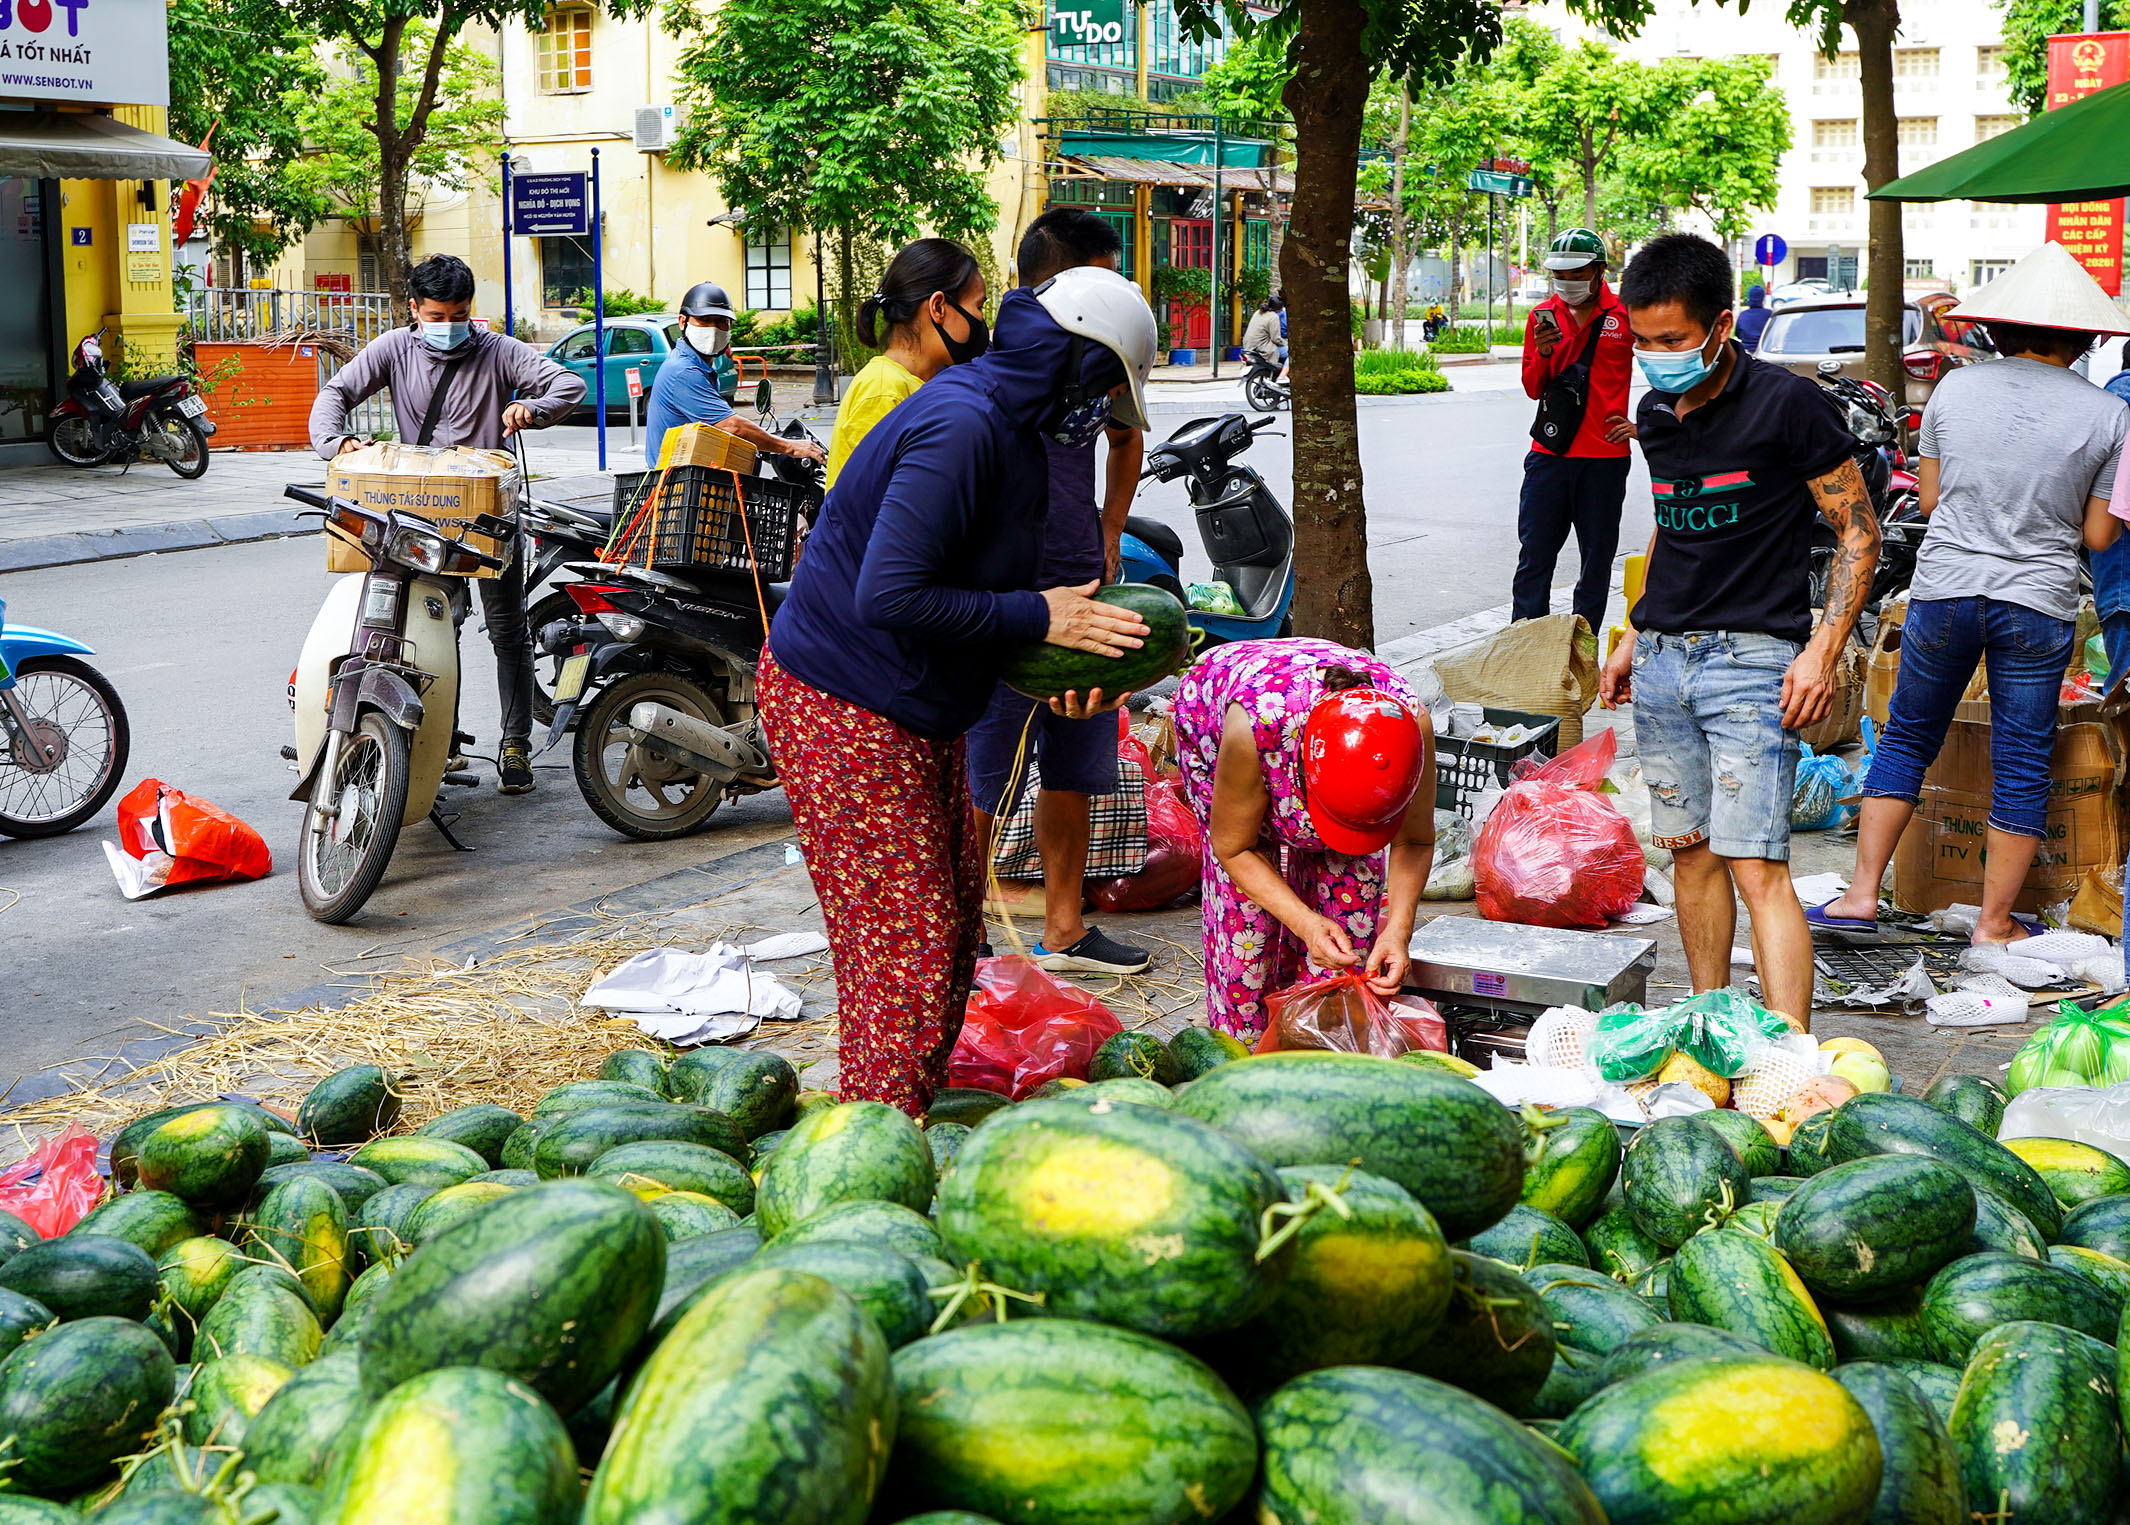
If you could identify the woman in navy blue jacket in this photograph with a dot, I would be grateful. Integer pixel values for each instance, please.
(918, 580)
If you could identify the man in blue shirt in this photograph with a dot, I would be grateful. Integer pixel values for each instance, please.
(2111, 576)
(1753, 322)
(686, 390)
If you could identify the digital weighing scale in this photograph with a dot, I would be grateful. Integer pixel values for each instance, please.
(1490, 979)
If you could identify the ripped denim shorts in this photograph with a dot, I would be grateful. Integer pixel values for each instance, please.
(1708, 728)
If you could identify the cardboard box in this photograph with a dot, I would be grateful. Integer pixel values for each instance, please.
(699, 444)
(1844, 721)
(1939, 861)
(448, 486)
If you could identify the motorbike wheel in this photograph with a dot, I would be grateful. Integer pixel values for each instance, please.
(340, 861)
(190, 462)
(73, 440)
(551, 606)
(632, 791)
(72, 704)
(1262, 393)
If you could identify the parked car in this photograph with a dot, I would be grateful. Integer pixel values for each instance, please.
(1804, 333)
(642, 342)
(1799, 291)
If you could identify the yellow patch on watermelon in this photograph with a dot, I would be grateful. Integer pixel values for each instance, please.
(1010, 1453)
(1097, 1187)
(193, 1124)
(2067, 1155)
(412, 1482)
(831, 1121)
(1365, 1265)
(1771, 1415)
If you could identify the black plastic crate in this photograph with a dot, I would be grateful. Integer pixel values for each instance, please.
(1464, 770)
(695, 524)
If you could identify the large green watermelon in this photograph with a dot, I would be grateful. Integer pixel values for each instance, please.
(458, 1446)
(844, 1153)
(78, 1397)
(2038, 1427)
(1043, 671)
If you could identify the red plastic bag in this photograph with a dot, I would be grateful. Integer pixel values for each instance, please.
(1582, 766)
(1175, 853)
(1024, 1027)
(1551, 856)
(55, 1187)
(1344, 1012)
(170, 838)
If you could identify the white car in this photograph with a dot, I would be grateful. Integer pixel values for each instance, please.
(1798, 291)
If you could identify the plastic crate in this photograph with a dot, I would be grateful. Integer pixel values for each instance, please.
(1464, 770)
(695, 524)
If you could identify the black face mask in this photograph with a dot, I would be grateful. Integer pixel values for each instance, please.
(962, 351)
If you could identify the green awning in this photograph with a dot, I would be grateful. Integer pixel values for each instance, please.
(1165, 148)
(2079, 152)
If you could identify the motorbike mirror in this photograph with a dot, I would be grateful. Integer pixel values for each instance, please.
(763, 396)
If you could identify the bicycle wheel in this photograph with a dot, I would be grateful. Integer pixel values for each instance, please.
(638, 794)
(73, 708)
(341, 858)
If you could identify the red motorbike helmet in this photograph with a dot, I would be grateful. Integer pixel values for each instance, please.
(1360, 769)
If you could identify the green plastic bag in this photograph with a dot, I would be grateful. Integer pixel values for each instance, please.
(1721, 1029)
(2079, 1048)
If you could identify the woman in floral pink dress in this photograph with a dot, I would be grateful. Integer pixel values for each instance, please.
(1301, 759)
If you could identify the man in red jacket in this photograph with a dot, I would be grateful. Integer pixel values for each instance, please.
(1577, 356)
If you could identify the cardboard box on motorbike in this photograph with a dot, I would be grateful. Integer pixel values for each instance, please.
(450, 486)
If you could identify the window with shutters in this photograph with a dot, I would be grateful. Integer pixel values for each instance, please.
(566, 52)
(1833, 200)
(1840, 66)
(1987, 127)
(1989, 64)
(1918, 131)
(1837, 133)
(1915, 63)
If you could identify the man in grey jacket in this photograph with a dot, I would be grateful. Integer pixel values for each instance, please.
(478, 373)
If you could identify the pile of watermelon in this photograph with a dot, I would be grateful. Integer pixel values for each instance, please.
(1205, 1286)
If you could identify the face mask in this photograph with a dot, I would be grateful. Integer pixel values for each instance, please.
(1675, 371)
(445, 335)
(706, 341)
(1082, 424)
(962, 351)
(1574, 293)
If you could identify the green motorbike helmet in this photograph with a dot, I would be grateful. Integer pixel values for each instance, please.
(1574, 249)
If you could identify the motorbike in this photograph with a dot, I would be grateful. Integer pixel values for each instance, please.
(1246, 533)
(1875, 423)
(100, 422)
(375, 695)
(1263, 390)
(64, 738)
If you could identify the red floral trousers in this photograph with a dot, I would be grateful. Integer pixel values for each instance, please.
(883, 819)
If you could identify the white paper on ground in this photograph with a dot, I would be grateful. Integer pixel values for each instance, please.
(1741, 958)
(1641, 914)
(786, 945)
(1818, 889)
(689, 998)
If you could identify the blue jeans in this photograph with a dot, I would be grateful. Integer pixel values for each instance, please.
(2026, 652)
(1708, 728)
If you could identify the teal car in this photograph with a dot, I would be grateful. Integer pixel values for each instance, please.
(639, 343)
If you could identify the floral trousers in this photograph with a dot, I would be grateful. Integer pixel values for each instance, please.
(883, 819)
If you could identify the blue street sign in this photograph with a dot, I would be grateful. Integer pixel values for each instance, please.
(550, 205)
(1769, 250)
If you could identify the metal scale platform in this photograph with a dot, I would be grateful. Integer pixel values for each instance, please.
(1490, 979)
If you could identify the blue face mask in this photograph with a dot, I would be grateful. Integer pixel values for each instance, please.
(1082, 424)
(445, 336)
(1676, 371)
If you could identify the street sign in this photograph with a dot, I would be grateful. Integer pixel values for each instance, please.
(1769, 251)
(1494, 182)
(635, 381)
(550, 205)
(1086, 23)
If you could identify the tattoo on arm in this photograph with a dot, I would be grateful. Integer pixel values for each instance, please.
(1845, 503)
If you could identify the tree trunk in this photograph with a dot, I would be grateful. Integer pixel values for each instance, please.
(1590, 195)
(396, 143)
(1875, 22)
(1401, 254)
(1334, 597)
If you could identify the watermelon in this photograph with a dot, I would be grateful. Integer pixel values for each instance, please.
(1196, 1050)
(125, 1144)
(691, 1072)
(636, 1066)
(1776, 1188)
(2001, 1226)
(1147, 1093)
(293, 1438)
(1128, 1215)
(473, 1446)
(859, 1149)
(1756, 1218)
(226, 1395)
(348, 1107)
(1095, 1423)
(366, 1286)
(81, 1276)
(1573, 1381)
(1527, 1237)
(414, 1161)
(756, 1089)
(1655, 1283)
(1678, 1177)
(1938, 1383)
(691, 1267)
(1975, 1294)
(886, 1285)
(770, 1400)
(1571, 1159)
(1043, 671)
(1754, 1145)
(570, 1144)
(284, 1149)
(2036, 1425)
(376, 1233)
(154, 1220)
(482, 1128)
(864, 1222)
(1135, 1054)
(1366, 1287)
(1063, 1085)
(21, 1509)
(1619, 1248)
(1448, 1064)
(765, 1146)
(1884, 1123)
(304, 1226)
(1495, 1338)
(289, 1503)
(1663, 1343)
(2075, 1173)
(1444, 1140)
(1591, 1311)
(1737, 1282)
(194, 1272)
(77, 1398)
(260, 1315)
(518, 1148)
(945, 1141)
(552, 1286)
(210, 1156)
(516, 1178)
(448, 1205)
(351, 1183)
(1920, 1483)
(1876, 1225)
(2112, 1276)
(21, 1318)
(675, 1165)
(1890, 1329)
(1742, 1438)
(15, 1236)
(687, 1215)
(2102, 1224)
(1806, 1153)
(959, 1105)
(1974, 1099)
(348, 1329)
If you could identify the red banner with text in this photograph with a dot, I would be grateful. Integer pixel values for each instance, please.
(2091, 232)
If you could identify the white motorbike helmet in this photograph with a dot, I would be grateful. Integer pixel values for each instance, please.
(1104, 307)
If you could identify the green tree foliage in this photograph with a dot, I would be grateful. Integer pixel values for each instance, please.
(1725, 130)
(1587, 108)
(2028, 25)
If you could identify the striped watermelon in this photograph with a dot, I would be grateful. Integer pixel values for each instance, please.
(1874, 1226)
(1619, 1248)
(1678, 1177)
(1663, 1344)
(21, 1318)
(1973, 1295)
(676, 1165)
(2037, 1426)
(84, 1276)
(303, 1225)
(210, 1155)
(860, 1149)
(1495, 1338)
(1890, 1329)
(2112, 1276)
(227, 1395)
(349, 1106)
(1754, 1145)
(482, 1128)
(460, 1445)
(294, 1437)
(888, 1286)
(1938, 1383)
(2102, 1224)
(448, 1205)
(1591, 1311)
(1529, 1237)
(78, 1397)
(2001, 1226)
(2075, 1173)
(1738, 1282)
(1806, 1153)
(412, 1160)
(1571, 1159)
(154, 1220)
(636, 1066)
(1883, 1123)
(1974, 1099)
(882, 1223)
(261, 1314)
(1921, 1482)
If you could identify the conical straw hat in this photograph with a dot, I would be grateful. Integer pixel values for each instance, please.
(2048, 289)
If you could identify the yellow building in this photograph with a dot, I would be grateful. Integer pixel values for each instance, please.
(84, 208)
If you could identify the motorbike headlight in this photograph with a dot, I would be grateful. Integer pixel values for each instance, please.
(415, 548)
(622, 627)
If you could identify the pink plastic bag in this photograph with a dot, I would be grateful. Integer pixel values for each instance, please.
(1175, 853)
(1555, 853)
(1024, 1027)
(55, 1187)
(1344, 1013)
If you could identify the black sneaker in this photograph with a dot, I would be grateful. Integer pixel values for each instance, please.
(1094, 954)
(514, 773)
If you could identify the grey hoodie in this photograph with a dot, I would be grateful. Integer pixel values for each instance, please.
(494, 368)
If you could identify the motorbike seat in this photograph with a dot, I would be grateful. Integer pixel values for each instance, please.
(1158, 538)
(146, 386)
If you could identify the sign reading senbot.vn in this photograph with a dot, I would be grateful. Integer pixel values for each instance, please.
(2091, 232)
(92, 52)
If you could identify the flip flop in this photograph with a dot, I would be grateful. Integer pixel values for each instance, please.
(1841, 928)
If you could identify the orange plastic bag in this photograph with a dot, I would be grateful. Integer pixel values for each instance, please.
(55, 1187)
(1175, 855)
(170, 838)
(1344, 1012)
(1554, 852)
(1024, 1027)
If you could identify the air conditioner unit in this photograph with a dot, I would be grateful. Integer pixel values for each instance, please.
(655, 129)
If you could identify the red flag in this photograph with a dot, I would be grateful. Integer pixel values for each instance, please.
(189, 200)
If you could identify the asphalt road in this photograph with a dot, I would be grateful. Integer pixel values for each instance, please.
(200, 645)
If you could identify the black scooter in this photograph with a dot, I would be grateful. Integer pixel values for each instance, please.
(1875, 424)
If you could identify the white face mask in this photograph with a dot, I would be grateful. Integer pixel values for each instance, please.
(1574, 293)
(706, 340)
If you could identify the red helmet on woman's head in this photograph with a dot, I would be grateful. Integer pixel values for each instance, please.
(1361, 767)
